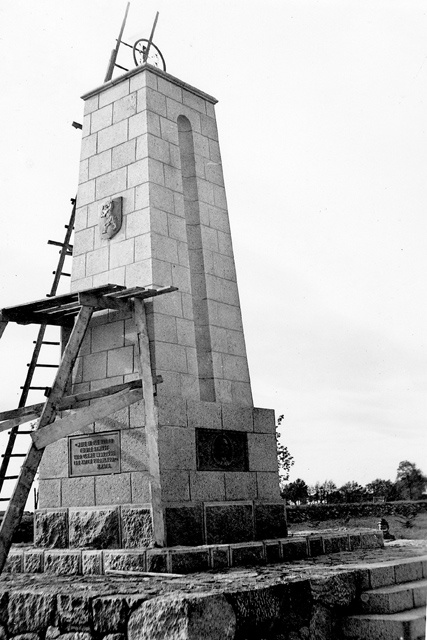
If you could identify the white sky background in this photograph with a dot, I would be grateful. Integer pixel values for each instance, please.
(322, 122)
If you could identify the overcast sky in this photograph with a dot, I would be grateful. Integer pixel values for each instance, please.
(322, 120)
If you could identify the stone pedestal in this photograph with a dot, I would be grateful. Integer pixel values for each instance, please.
(150, 146)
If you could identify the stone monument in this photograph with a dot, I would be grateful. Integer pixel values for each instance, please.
(152, 212)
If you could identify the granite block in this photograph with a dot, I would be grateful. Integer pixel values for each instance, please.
(268, 485)
(292, 549)
(240, 486)
(50, 493)
(33, 561)
(78, 492)
(113, 489)
(62, 562)
(191, 616)
(381, 576)
(175, 486)
(354, 541)
(51, 528)
(109, 614)
(228, 523)
(15, 561)
(96, 528)
(137, 530)
(247, 554)
(220, 556)
(237, 418)
(270, 521)
(264, 420)
(134, 450)
(207, 486)
(172, 411)
(204, 414)
(74, 612)
(92, 563)
(30, 611)
(184, 526)
(177, 448)
(262, 452)
(336, 544)
(272, 550)
(315, 546)
(140, 486)
(157, 560)
(119, 560)
(189, 560)
(408, 572)
(372, 540)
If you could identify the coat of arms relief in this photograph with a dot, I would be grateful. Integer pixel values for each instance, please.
(110, 218)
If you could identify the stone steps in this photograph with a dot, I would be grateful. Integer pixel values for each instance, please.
(395, 598)
(392, 605)
(405, 625)
(186, 559)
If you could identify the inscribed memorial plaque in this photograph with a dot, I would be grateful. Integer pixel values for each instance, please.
(95, 454)
(219, 450)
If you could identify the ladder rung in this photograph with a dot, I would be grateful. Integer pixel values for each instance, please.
(60, 244)
(63, 273)
(20, 433)
(13, 455)
(4, 499)
(49, 366)
(36, 388)
(10, 477)
(48, 342)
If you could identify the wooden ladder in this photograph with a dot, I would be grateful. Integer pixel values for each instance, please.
(65, 250)
(75, 310)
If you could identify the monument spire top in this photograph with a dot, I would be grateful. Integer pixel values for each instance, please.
(144, 51)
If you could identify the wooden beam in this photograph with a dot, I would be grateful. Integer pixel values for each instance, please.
(22, 411)
(79, 421)
(104, 302)
(71, 401)
(151, 422)
(14, 422)
(14, 512)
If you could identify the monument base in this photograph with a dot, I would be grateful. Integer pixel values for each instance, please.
(218, 478)
(130, 526)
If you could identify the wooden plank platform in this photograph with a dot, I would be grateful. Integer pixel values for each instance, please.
(61, 310)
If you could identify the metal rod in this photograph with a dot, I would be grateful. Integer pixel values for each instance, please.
(150, 40)
(115, 51)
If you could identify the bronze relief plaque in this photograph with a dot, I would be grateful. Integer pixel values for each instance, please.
(219, 450)
(94, 454)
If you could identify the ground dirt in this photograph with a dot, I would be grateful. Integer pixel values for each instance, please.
(400, 527)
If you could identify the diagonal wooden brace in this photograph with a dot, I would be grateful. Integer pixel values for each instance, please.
(14, 512)
(151, 421)
(81, 418)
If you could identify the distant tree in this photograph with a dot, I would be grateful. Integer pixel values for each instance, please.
(352, 492)
(322, 492)
(296, 492)
(410, 481)
(380, 487)
(327, 489)
(284, 458)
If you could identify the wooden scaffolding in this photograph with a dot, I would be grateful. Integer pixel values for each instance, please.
(74, 311)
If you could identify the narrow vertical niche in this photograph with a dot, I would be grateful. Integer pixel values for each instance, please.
(197, 266)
